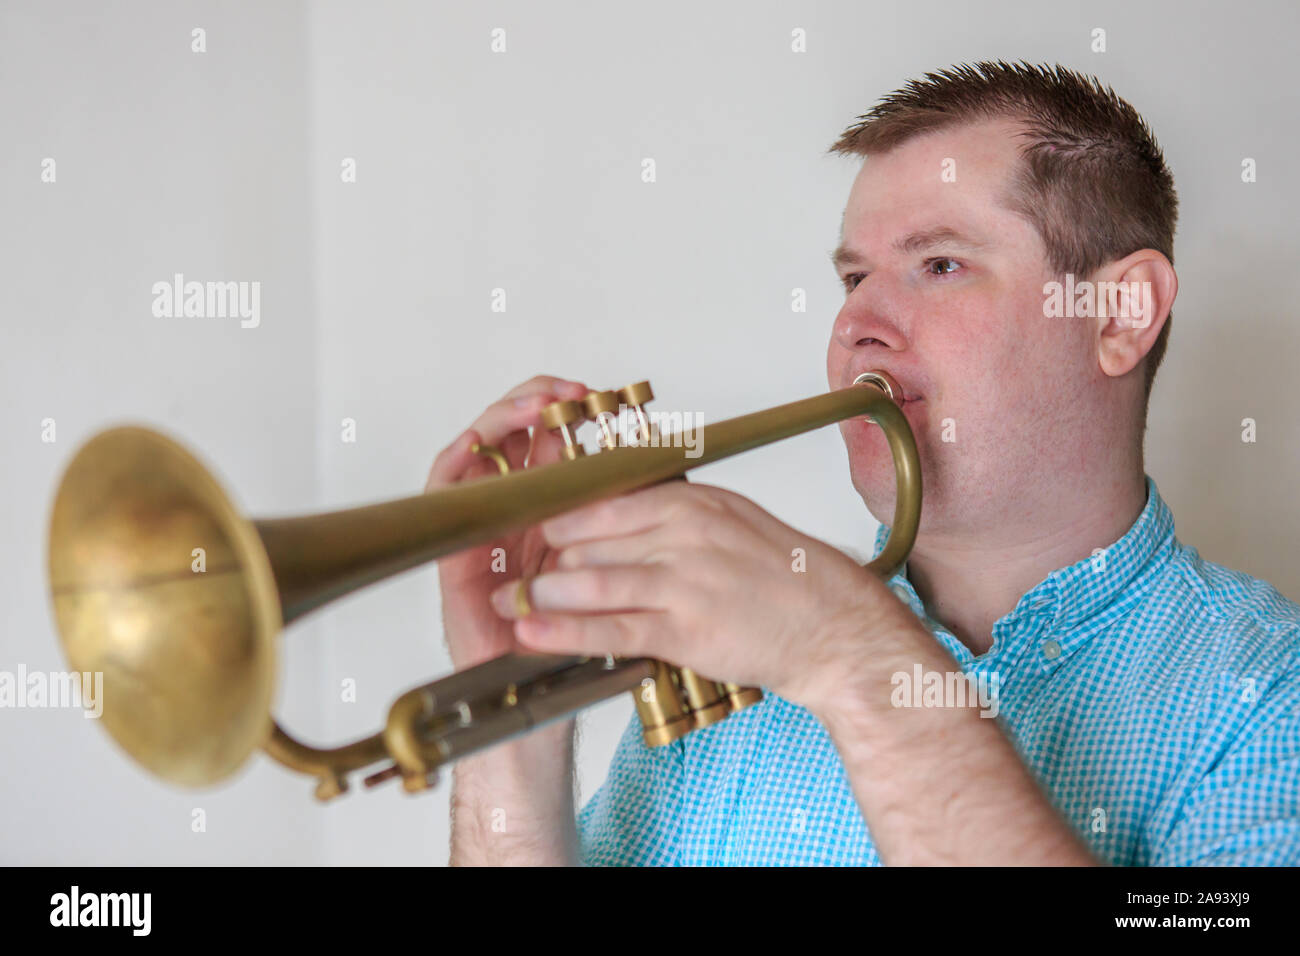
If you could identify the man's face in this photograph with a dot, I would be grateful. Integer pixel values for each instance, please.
(944, 290)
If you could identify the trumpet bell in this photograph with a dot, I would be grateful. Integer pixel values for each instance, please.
(159, 583)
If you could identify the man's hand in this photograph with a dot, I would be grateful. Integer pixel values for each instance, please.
(514, 803)
(703, 578)
(474, 634)
(706, 579)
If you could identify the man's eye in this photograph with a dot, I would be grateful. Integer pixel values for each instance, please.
(941, 267)
(851, 281)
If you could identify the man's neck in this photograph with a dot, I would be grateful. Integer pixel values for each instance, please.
(968, 583)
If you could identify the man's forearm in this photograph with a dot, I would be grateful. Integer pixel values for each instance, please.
(939, 785)
(513, 805)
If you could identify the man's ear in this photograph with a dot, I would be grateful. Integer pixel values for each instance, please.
(1134, 296)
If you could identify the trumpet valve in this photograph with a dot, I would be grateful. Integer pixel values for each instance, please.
(741, 697)
(706, 701)
(636, 396)
(564, 418)
(659, 705)
(602, 408)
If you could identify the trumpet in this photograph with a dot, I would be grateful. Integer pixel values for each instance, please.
(161, 584)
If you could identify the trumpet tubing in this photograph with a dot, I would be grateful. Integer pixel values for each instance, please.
(160, 583)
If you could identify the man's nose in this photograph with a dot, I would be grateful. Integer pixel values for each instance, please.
(868, 317)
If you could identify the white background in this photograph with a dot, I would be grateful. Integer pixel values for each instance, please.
(522, 171)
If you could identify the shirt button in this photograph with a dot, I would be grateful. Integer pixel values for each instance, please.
(1051, 650)
(901, 591)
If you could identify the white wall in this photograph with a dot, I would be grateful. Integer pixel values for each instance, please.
(522, 171)
(166, 161)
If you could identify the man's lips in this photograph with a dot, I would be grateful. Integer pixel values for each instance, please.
(908, 397)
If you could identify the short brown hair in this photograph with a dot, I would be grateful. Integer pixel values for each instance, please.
(1094, 182)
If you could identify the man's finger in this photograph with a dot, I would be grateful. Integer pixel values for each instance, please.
(641, 548)
(625, 515)
(588, 590)
(504, 423)
(632, 634)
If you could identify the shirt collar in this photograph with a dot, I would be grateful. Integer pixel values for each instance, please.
(1069, 597)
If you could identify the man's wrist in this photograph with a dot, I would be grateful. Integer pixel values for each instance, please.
(514, 803)
(855, 688)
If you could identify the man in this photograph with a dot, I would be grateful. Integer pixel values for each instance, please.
(1147, 702)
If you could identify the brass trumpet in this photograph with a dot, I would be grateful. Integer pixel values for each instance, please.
(159, 583)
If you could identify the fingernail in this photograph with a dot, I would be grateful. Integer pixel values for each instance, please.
(500, 599)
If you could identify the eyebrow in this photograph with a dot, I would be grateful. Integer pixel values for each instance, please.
(925, 239)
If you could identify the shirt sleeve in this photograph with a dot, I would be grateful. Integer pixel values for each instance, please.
(635, 817)
(1246, 811)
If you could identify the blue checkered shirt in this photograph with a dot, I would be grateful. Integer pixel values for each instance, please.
(1155, 695)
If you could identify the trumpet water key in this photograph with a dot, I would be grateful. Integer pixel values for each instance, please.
(189, 655)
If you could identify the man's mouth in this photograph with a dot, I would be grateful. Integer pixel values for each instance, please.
(908, 399)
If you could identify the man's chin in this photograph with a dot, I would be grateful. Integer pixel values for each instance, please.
(877, 492)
